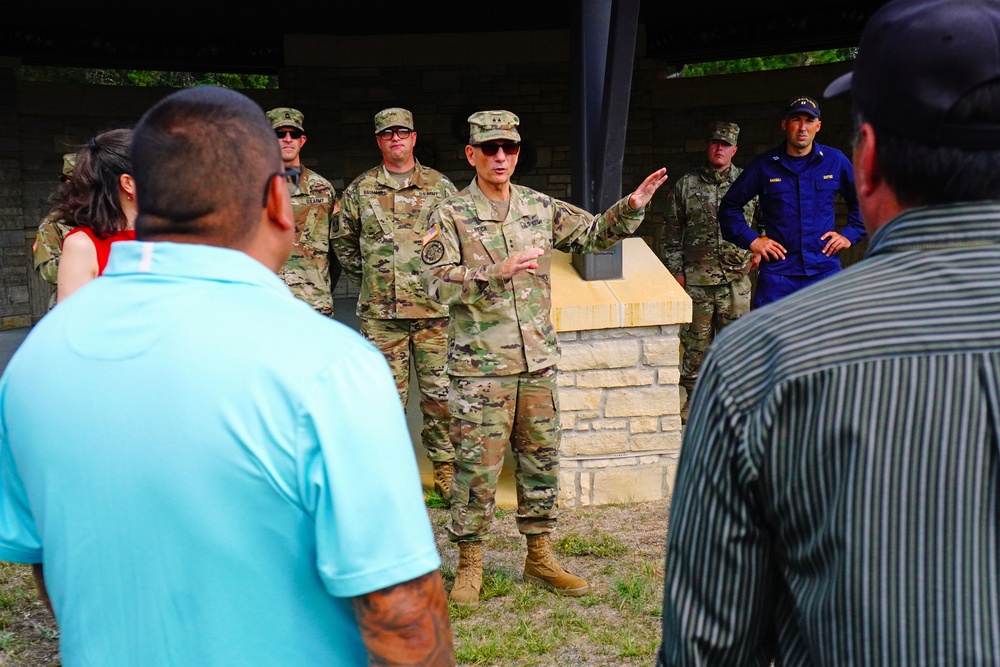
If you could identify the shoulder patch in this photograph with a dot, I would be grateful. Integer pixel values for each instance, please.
(336, 208)
(429, 236)
(432, 252)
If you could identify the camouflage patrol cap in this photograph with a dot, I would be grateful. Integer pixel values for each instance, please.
(286, 117)
(69, 163)
(490, 125)
(393, 117)
(728, 132)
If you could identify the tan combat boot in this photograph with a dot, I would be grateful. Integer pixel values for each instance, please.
(542, 568)
(442, 480)
(469, 578)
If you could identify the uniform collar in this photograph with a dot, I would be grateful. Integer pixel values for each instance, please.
(484, 210)
(416, 179)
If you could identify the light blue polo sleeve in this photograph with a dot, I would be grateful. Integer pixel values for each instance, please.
(19, 541)
(358, 478)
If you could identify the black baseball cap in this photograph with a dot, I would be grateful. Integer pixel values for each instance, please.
(917, 59)
(802, 104)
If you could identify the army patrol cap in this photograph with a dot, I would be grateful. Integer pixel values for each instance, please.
(802, 104)
(492, 125)
(69, 164)
(917, 60)
(286, 117)
(728, 132)
(393, 117)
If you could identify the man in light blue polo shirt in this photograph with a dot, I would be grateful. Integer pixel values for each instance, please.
(196, 500)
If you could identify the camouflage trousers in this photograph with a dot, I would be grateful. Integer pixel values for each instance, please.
(486, 413)
(427, 341)
(712, 308)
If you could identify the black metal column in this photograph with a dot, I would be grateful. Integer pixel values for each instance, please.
(604, 46)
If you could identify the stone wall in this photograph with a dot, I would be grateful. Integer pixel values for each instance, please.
(620, 408)
(618, 374)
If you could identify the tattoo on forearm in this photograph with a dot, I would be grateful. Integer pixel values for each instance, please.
(407, 624)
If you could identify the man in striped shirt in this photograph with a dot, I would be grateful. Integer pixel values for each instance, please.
(838, 496)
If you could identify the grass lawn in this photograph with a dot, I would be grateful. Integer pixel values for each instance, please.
(618, 548)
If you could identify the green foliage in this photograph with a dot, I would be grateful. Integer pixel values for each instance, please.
(495, 584)
(769, 62)
(146, 78)
(434, 500)
(600, 545)
(637, 593)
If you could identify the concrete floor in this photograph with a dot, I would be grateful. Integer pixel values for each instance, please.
(344, 310)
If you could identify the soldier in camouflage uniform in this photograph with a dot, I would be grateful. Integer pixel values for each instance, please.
(713, 271)
(488, 255)
(383, 218)
(311, 272)
(47, 248)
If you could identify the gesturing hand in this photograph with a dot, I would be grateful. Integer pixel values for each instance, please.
(645, 192)
(520, 262)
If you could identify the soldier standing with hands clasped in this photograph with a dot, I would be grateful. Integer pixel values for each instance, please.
(384, 217)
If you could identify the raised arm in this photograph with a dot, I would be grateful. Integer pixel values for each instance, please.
(406, 624)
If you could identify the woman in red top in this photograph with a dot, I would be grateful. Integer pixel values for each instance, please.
(99, 202)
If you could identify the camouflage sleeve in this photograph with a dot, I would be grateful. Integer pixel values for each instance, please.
(346, 244)
(445, 279)
(673, 233)
(575, 230)
(447, 187)
(47, 248)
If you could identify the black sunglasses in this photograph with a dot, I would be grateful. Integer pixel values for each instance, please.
(491, 148)
(401, 132)
(294, 134)
(292, 176)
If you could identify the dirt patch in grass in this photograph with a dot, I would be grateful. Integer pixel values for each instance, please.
(28, 633)
(618, 548)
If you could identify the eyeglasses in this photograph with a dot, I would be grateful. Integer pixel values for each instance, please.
(292, 176)
(400, 132)
(294, 134)
(491, 148)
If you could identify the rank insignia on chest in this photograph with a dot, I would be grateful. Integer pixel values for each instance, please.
(774, 180)
(827, 177)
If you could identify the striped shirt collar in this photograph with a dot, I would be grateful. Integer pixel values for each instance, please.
(933, 227)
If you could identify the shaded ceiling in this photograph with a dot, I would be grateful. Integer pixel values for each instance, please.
(202, 38)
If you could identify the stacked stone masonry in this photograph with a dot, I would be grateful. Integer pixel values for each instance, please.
(620, 406)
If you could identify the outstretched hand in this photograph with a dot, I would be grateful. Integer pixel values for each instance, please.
(645, 192)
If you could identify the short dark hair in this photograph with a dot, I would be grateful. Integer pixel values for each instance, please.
(924, 175)
(201, 158)
(91, 197)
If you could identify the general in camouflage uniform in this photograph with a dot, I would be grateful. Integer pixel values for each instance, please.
(308, 271)
(489, 255)
(47, 248)
(384, 215)
(713, 271)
